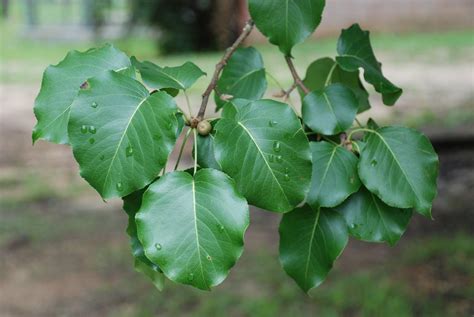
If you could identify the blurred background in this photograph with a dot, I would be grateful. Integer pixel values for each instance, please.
(64, 252)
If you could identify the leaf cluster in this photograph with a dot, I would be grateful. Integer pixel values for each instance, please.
(329, 179)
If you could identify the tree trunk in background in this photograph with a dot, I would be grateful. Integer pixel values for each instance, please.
(31, 12)
(5, 8)
(226, 21)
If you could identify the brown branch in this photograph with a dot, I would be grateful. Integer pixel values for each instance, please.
(219, 67)
(295, 75)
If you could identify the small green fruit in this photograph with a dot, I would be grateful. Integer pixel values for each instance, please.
(204, 128)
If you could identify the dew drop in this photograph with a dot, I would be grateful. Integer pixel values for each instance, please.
(158, 246)
(221, 228)
(271, 158)
(119, 186)
(352, 180)
(276, 146)
(287, 177)
(287, 170)
(170, 125)
(91, 140)
(92, 129)
(353, 226)
(272, 123)
(279, 158)
(84, 129)
(190, 277)
(209, 258)
(129, 151)
(374, 162)
(94, 105)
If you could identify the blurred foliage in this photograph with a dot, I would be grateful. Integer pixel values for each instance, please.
(185, 24)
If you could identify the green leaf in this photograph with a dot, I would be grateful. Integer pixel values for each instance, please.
(62, 82)
(370, 219)
(286, 22)
(325, 71)
(179, 78)
(120, 134)
(401, 167)
(334, 175)
(193, 228)
(310, 242)
(243, 77)
(371, 124)
(205, 154)
(152, 272)
(131, 204)
(355, 51)
(331, 110)
(263, 147)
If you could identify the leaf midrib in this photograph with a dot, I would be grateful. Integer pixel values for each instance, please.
(310, 246)
(264, 159)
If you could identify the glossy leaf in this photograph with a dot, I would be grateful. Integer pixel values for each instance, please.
(243, 77)
(334, 175)
(263, 147)
(131, 205)
(286, 22)
(355, 51)
(401, 167)
(310, 241)
(120, 134)
(325, 71)
(370, 219)
(179, 78)
(331, 110)
(62, 82)
(193, 227)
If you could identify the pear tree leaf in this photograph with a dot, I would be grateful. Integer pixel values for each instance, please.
(61, 84)
(400, 166)
(330, 111)
(325, 71)
(310, 242)
(370, 219)
(371, 124)
(120, 134)
(193, 227)
(243, 77)
(286, 22)
(131, 205)
(355, 51)
(168, 78)
(334, 175)
(263, 147)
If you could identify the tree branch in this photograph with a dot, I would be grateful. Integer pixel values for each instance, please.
(219, 67)
(295, 75)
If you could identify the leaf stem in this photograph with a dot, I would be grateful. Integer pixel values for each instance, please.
(329, 78)
(295, 75)
(358, 123)
(219, 67)
(188, 103)
(182, 148)
(349, 138)
(195, 151)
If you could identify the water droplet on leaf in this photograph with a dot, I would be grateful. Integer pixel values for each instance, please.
(129, 151)
(287, 170)
(352, 180)
(276, 146)
(158, 246)
(287, 177)
(119, 186)
(374, 162)
(221, 228)
(94, 105)
(279, 158)
(272, 123)
(84, 129)
(102, 157)
(190, 277)
(209, 258)
(271, 158)
(92, 129)
(91, 140)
